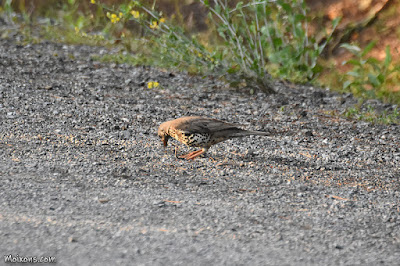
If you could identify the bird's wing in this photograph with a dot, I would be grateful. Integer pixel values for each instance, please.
(206, 125)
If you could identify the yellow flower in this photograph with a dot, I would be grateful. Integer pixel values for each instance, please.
(154, 25)
(113, 17)
(76, 30)
(162, 20)
(93, 1)
(120, 14)
(135, 13)
(153, 84)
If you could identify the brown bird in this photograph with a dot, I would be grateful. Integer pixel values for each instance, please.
(203, 132)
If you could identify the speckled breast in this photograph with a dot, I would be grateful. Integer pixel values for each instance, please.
(196, 139)
(191, 139)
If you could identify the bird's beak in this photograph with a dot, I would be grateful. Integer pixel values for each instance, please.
(165, 140)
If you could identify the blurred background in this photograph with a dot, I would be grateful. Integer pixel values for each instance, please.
(359, 55)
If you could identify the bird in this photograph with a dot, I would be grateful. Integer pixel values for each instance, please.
(203, 132)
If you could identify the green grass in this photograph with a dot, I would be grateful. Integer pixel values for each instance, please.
(372, 116)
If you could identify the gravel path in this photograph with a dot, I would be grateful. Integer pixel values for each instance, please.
(85, 178)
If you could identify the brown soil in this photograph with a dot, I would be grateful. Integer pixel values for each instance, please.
(384, 29)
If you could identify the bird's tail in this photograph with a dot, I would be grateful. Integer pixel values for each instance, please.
(261, 133)
(250, 132)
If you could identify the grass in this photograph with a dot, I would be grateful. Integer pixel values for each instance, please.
(372, 116)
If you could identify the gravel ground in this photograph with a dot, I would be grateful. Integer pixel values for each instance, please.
(85, 178)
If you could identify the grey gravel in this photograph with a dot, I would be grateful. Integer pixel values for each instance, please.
(85, 178)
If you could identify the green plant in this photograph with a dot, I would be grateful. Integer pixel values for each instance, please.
(246, 44)
(6, 7)
(268, 35)
(371, 115)
(351, 112)
(259, 38)
(157, 41)
(370, 77)
(391, 118)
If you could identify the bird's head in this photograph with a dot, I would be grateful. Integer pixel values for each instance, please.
(163, 133)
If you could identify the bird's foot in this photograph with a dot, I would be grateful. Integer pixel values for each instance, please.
(192, 155)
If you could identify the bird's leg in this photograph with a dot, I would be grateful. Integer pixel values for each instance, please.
(192, 155)
(176, 148)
